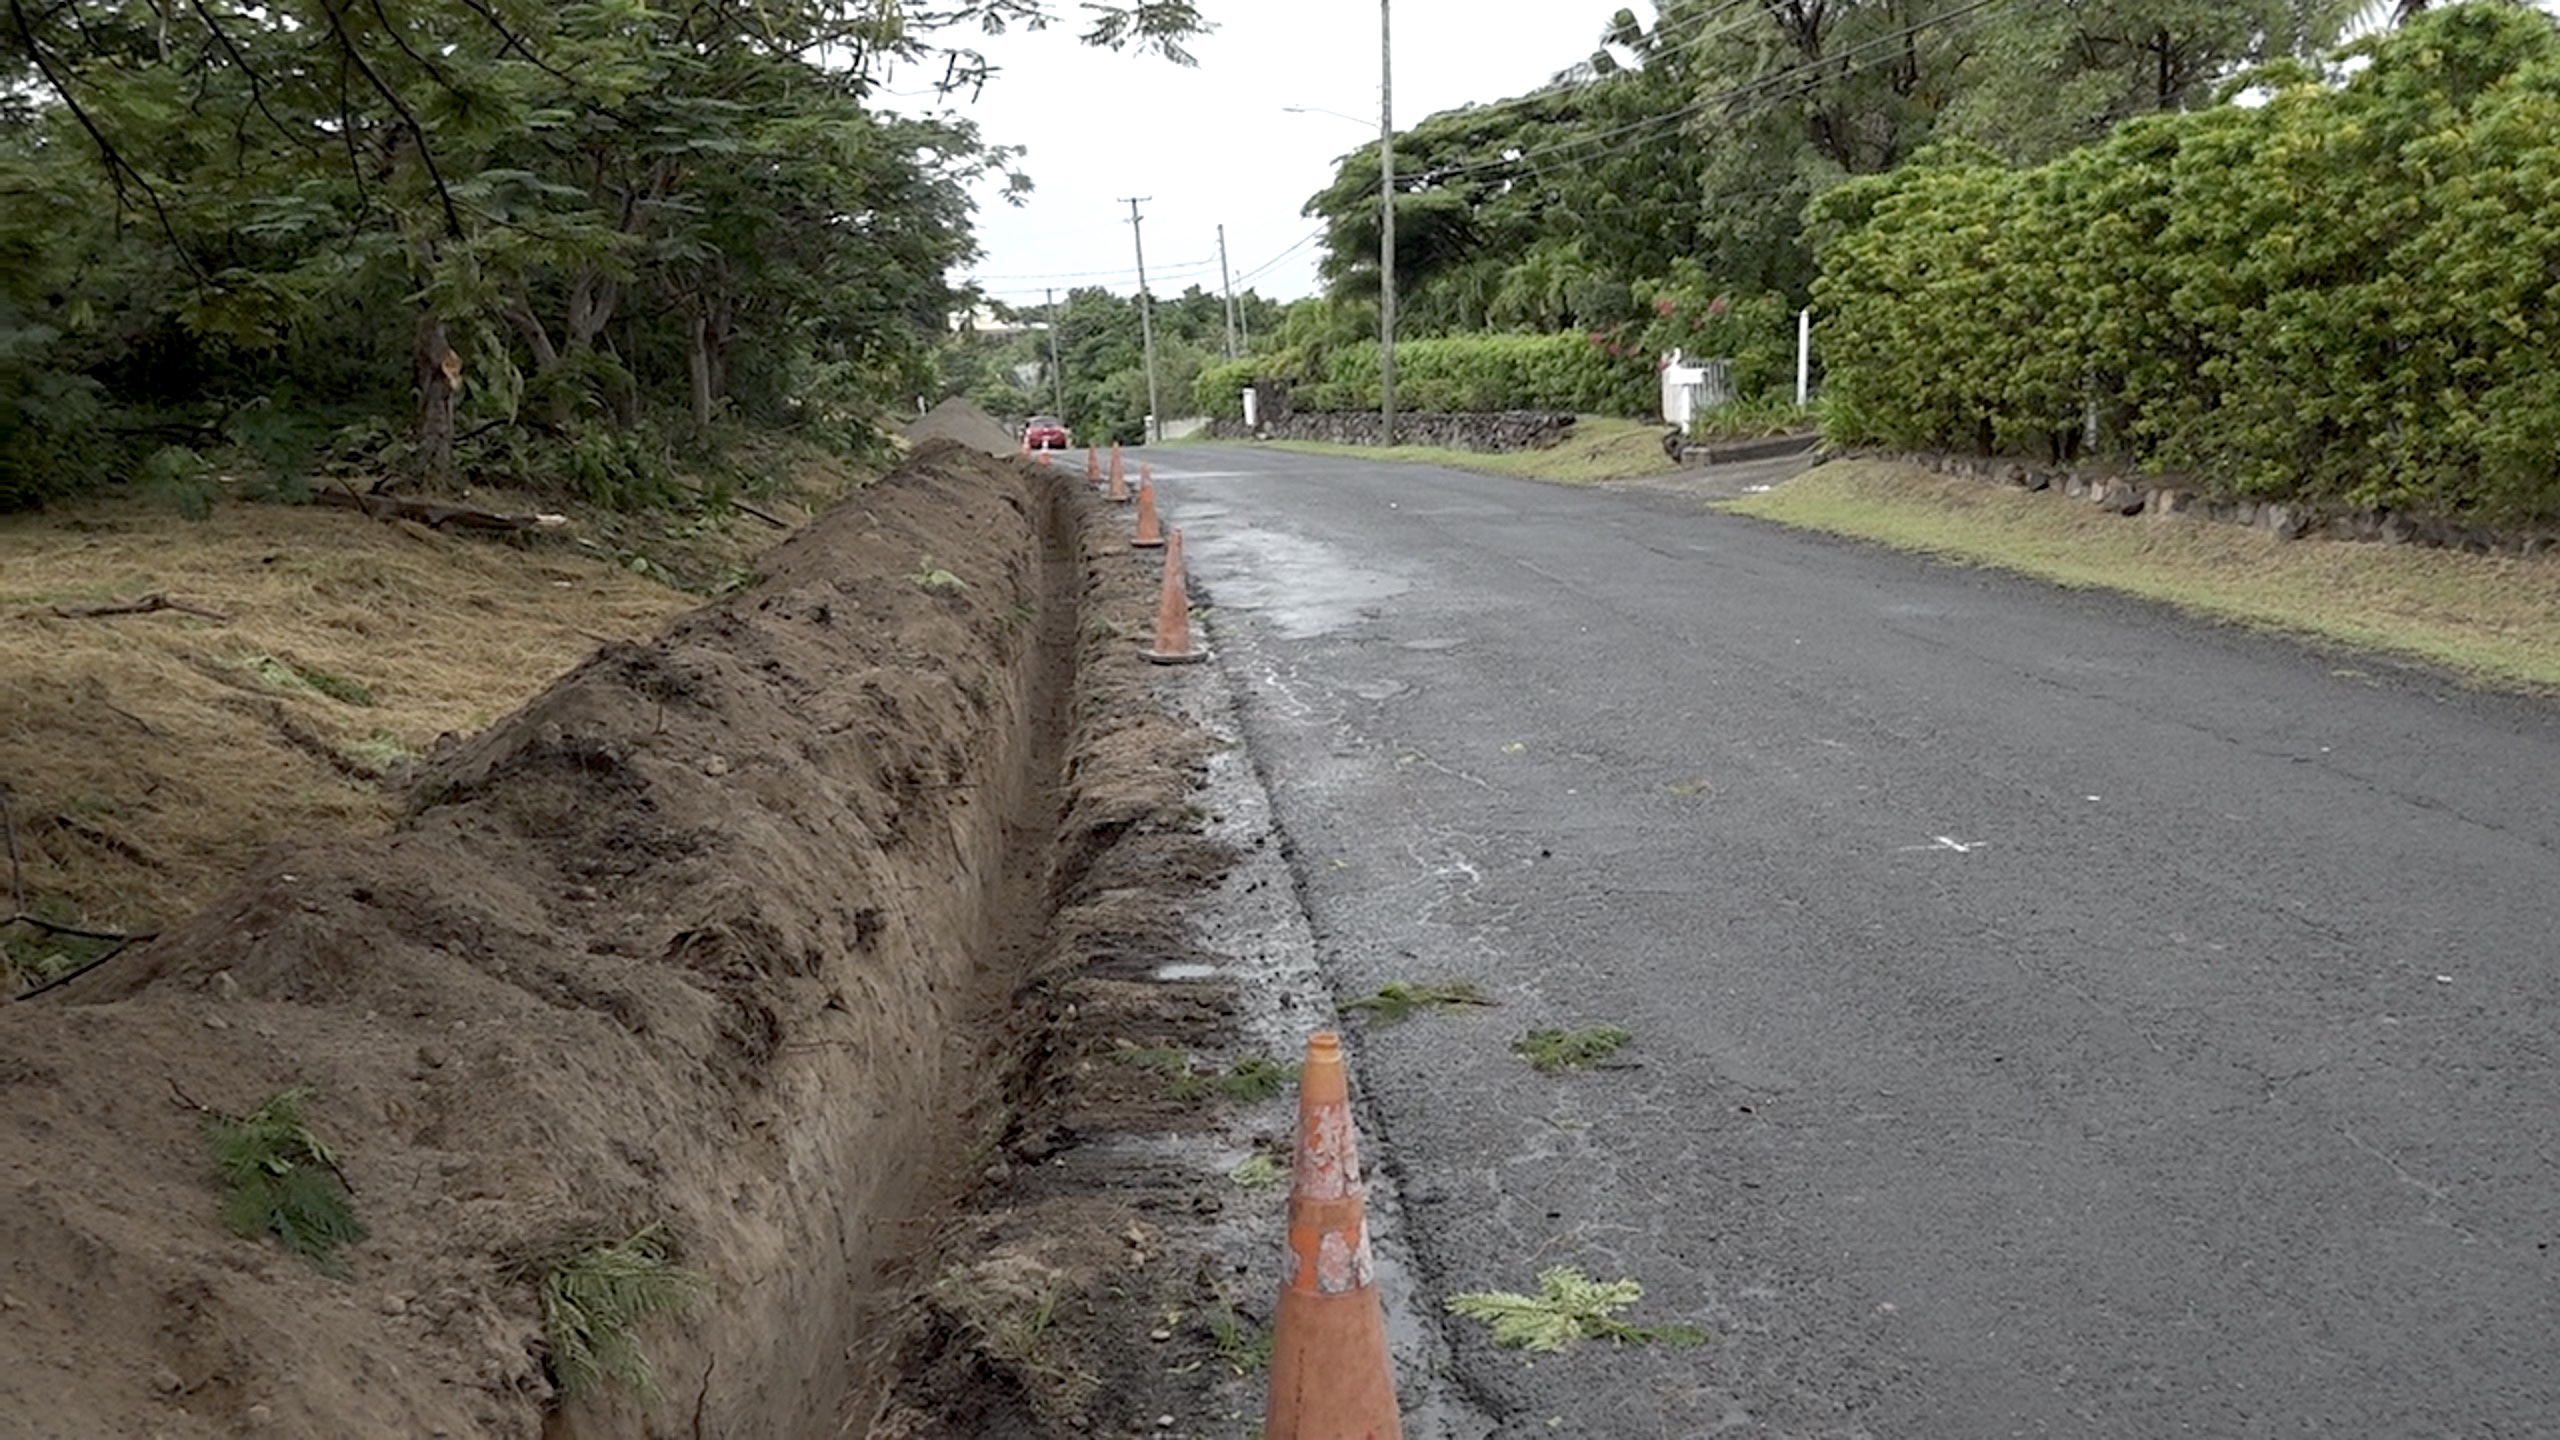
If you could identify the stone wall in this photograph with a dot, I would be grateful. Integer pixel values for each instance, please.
(1494, 431)
(1501, 430)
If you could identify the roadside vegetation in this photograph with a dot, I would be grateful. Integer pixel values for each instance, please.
(579, 250)
(149, 757)
(1553, 246)
(2341, 297)
(2493, 619)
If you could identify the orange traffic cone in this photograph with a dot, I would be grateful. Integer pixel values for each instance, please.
(1116, 471)
(1119, 481)
(1044, 459)
(1173, 613)
(1150, 531)
(1146, 477)
(1330, 1377)
(1092, 464)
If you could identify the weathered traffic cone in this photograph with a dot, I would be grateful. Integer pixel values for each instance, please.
(1092, 464)
(1173, 613)
(1330, 1376)
(1150, 531)
(1146, 476)
(1116, 471)
(1044, 458)
(1119, 481)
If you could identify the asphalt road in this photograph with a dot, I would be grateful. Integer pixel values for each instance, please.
(2052, 1016)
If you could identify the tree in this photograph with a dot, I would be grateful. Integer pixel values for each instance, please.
(585, 213)
(1698, 139)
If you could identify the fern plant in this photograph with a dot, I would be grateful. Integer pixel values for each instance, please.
(1551, 1051)
(593, 1303)
(278, 1179)
(929, 576)
(1569, 1306)
(1400, 999)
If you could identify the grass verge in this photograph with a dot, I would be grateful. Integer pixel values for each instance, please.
(152, 756)
(1601, 448)
(2491, 619)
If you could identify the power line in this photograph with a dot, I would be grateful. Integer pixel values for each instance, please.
(1123, 272)
(1273, 263)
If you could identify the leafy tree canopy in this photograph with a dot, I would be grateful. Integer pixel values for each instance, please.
(419, 226)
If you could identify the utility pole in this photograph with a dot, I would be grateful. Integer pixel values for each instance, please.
(1057, 371)
(1146, 318)
(1386, 228)
(1227, 283)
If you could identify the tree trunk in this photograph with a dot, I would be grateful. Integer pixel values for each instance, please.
(698, 364)
(435, 368)
(721, 329)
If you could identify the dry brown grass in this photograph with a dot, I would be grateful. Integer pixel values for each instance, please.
(150, 758)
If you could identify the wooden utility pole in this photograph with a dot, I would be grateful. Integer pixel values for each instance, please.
(1146, 319)
(1057, 371)
(1386, 228)
(1227, 283)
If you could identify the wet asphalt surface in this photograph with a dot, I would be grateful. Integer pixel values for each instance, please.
(2053, 1016)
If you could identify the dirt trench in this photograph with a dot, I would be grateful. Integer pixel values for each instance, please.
(746, 937)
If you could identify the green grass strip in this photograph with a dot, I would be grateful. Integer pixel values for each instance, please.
(2494, 620)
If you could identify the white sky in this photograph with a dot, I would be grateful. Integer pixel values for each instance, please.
(1214, 145)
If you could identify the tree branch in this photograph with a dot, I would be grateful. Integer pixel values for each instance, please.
(417, 129)
(143, 605)
(118, 167)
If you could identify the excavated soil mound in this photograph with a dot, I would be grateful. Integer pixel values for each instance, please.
(721, 937)
(961, 419)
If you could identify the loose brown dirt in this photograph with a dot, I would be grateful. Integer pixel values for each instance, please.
(958, 419)
(767, 933)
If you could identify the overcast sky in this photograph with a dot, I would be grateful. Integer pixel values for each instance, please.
(1214, 144)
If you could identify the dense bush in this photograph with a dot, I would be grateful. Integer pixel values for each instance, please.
(1219, 392)
(2345, 295)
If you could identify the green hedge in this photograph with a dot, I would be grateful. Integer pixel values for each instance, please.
(1458, 374)
(2347, 295)
(1219, 392)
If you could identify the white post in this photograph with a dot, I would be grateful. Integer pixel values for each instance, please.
(1804, 357)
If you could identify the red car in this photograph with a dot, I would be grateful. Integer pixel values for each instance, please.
(1044, 433)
